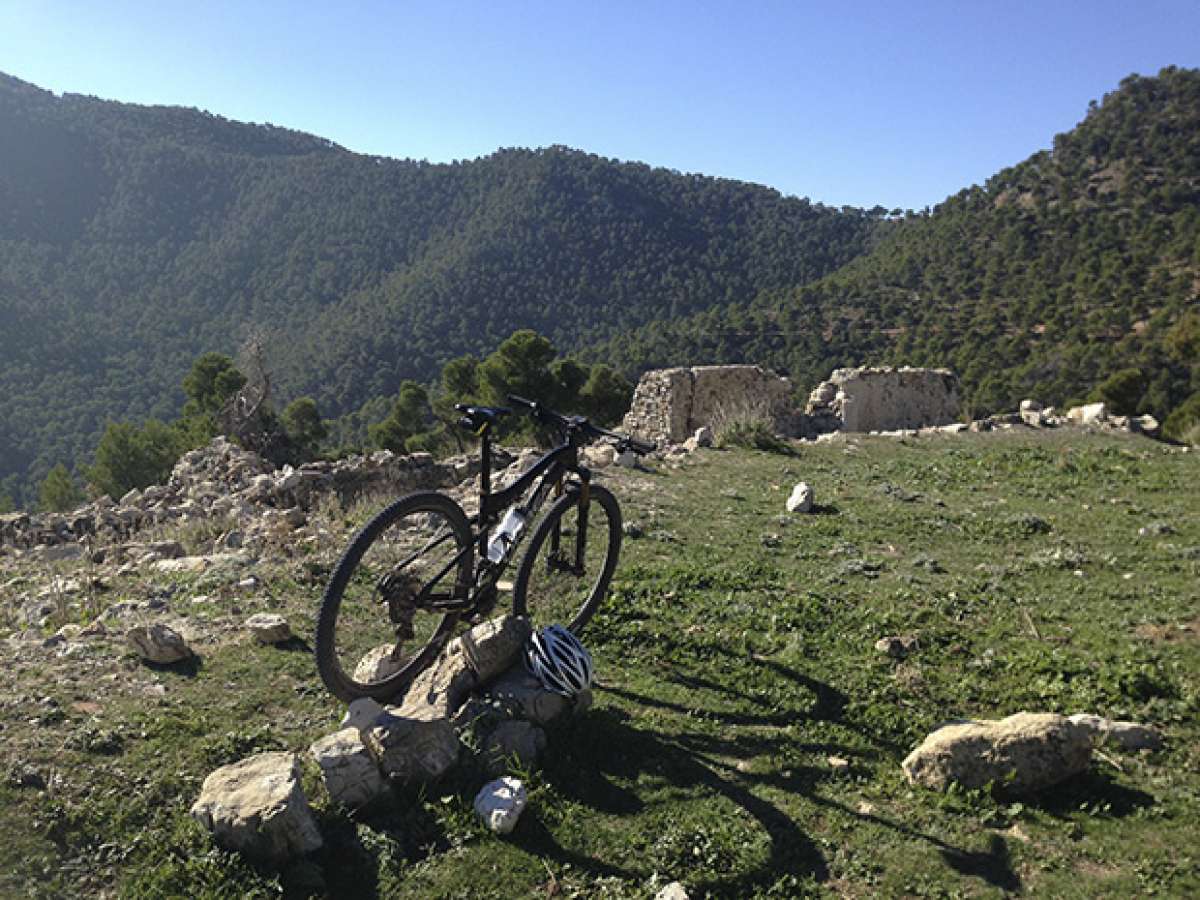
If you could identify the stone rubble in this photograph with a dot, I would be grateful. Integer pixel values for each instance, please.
(221, 481)
(477, 685)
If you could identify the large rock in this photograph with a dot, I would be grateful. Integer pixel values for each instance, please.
(377, 664)
(269, 628)
(471, 659)
(258, 807)
(350, 773)
(158, 644)
(413, 745)
(523, 695)
(1023, 753)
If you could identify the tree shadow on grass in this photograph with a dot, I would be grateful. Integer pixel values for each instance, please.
(604, 747)
(607, 748)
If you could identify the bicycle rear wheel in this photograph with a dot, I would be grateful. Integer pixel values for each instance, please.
(376, 629)
(566, 570)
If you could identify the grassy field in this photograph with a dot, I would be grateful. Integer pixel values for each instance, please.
(1054, 571)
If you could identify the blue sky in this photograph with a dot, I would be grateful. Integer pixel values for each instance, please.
(896, 103)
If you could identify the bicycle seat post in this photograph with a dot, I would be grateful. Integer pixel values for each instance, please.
(485, 482)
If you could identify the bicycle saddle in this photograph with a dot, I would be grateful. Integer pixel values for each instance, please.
(476, 417)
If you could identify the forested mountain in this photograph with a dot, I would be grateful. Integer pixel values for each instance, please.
(1079, 264)
(134, 238)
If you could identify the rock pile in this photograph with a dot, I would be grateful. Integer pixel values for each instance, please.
(475, 701)
(222, 481)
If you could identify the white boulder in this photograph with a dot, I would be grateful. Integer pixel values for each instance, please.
(801, 499)
(500, 803)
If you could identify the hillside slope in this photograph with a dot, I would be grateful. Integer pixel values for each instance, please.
(133, 238)
(1076, 263)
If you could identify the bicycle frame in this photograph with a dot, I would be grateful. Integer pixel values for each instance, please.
(551, 469)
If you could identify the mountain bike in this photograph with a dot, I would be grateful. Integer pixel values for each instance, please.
(421, 567)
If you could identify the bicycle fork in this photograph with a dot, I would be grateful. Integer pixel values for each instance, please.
(556, 560)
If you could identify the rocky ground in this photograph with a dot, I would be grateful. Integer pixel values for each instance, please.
(747, 734)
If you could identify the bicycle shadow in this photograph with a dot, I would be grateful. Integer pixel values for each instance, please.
(608, 749)
(600, 760)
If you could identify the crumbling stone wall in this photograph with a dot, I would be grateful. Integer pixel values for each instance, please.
(884, 399)
(222, 480)
(670, 404)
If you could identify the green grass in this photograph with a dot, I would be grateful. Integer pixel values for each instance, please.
(735, 657)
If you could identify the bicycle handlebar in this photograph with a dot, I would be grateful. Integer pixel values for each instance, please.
(550, 417)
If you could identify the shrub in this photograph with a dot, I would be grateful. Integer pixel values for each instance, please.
(746, 422)
(1122, 391)
(1184, 421)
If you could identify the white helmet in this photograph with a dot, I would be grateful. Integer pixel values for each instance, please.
(558, 660)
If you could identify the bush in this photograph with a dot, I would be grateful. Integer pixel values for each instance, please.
(1184, 421)
(129, 457)
(1122, 391)
(746, 423)
(59, 493)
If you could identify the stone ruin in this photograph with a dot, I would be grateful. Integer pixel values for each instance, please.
(869, 398)
(669, 405)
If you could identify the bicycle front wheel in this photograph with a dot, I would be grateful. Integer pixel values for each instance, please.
(571, 559)
(379, 624)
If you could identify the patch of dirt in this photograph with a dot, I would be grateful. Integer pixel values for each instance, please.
(1093, 869)
(1176, 633)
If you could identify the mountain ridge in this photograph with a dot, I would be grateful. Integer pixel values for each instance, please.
(134, 238)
